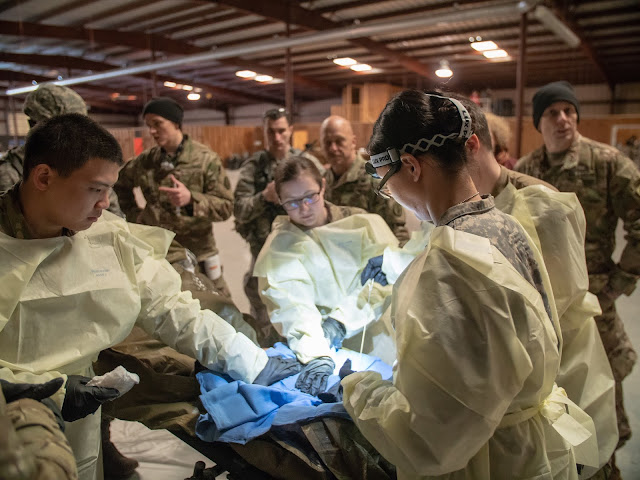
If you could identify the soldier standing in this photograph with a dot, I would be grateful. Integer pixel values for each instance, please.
(347, 182)
(608, 186)
(257, 205)
(46, 101)
(184, 184)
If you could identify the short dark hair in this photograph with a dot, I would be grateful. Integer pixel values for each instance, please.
(66, 142)
(292, 168)
(478, 119)
(412, 115)
(275, 114)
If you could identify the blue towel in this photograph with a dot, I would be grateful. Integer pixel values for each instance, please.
(238, 412)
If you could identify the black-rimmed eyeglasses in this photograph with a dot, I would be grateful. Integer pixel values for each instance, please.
(381, 189)
(296, 203)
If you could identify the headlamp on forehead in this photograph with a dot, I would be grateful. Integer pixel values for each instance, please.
(392, 155)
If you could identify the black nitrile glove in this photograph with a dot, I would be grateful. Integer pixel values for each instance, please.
(276, 369)
(313, 378)
(334, 394)
(334, 331)
(36, 391)
(80, 400)
(373, 269)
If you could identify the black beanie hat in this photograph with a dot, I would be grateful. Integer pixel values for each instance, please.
(551, 93)
(165, 107)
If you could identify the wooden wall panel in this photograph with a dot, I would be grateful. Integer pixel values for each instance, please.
(228, 140)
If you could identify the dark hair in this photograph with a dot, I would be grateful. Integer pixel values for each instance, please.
(292, 168)
(275, 114)
(478, 119)
(412, 115)
(66, 142)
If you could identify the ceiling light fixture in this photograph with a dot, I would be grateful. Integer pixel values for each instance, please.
(245, 74)
(444, 71)
(484, 46)
(360, 67)
(188, 88)
(193, 96)
(170, 84)
(263, 78)
(495, 54)
(344, 62)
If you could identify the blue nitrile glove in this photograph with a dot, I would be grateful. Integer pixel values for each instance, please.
(313, 377)
(276, 369)
(80, 400)
(373, 269)
(334, 331)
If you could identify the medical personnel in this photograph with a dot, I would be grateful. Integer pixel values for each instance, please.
(309, 272)
(76, 279)
(477, 334)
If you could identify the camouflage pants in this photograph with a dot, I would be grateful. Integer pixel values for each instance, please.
(621, 356)
(267, 334)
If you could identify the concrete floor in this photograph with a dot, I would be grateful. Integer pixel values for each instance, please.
(236, 259)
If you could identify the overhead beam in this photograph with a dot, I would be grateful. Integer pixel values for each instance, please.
(585, 45)
(307, 18)
(131, 39)
(58, 61)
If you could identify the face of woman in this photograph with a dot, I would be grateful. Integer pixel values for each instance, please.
(403, 188)
(303, 199)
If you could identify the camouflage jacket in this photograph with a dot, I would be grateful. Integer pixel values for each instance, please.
(253, 214)
(201, 170)
(355, 188)
(608, 186)
(32, 446)
(482, 218)
(518, 180)
(11, 167)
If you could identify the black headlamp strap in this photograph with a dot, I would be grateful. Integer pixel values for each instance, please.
(392, 155)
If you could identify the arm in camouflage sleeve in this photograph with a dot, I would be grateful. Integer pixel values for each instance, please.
(9, 173)
(625, 195)
(124, 190)
(216, 199)
(249, 204)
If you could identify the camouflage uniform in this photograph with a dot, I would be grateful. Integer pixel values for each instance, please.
(253, 219)
(201, 170)
(32, 446)
(11, 173)
(483, 219)
(355, 188)
(608, 187)
(40, 105)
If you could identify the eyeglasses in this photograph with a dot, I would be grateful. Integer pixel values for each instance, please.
(296, 203)
(382, 190)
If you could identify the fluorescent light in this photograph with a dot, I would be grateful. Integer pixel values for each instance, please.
(444, 71)
(483, 46)
(344, 62)
(263, 78)
(555, 25)
(170, 84)
(188, 88)
(360, 67)
(495, 54)
(245, 74)
(193, 96)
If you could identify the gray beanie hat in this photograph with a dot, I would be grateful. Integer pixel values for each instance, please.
(551, 93)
